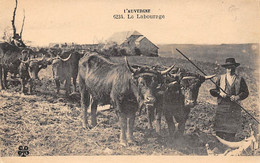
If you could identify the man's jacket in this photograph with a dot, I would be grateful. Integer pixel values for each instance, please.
(238, 88)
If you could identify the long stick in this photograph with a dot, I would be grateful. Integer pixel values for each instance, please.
(22, 24)
(217, 85)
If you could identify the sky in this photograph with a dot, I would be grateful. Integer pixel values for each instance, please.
(91, 21)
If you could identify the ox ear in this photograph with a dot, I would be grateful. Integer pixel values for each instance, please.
(210, 77)
(129, 67)
(167, 70)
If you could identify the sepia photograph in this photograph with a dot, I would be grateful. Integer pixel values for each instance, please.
(105, 79)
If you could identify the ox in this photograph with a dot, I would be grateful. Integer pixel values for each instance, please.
(17, 60)
(9, 61)
(29, 69)
(178, 95)
(12, 60)
(65, 67)
(126, 88)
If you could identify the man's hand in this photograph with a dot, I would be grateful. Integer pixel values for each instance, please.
(223, 95)
(234, 98)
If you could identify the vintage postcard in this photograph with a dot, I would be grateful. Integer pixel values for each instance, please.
(106, 80)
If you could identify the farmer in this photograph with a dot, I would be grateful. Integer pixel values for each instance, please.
(17, 41)
(228, 116)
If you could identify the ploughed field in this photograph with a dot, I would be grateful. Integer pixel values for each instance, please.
(51, 124)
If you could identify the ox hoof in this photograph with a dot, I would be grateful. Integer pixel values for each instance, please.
(86, 126)
(123, 143)
(30, 93)
(93, 124)
(23, 93)
(132, 141)
(91, 127)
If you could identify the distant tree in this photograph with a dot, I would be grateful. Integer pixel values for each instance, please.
(7, 35)
(17, 38)
(109, 49)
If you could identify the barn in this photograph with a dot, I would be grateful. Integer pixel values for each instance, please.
(135, 42)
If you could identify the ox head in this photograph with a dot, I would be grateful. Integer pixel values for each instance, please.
(54, 52)
(25, 54)
(34, 65)
(146, 80)
(57, 59)
(190, 84)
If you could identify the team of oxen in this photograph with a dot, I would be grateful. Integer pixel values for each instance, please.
(27, 63)
(171, 91)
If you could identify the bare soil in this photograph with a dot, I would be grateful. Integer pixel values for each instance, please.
(51, 124)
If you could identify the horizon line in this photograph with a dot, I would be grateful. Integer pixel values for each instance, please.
(154, 43)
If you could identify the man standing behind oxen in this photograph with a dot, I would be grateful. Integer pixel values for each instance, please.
(228, 116)
(17, 41)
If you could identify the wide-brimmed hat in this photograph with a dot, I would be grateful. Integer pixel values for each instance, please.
(230, 62)
(16, 36)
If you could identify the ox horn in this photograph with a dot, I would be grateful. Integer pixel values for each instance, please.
(65, 59)
(24, 51)
(243, 143)
(188, 77)
(209, 76)
(50, 60)
(53, 58)
(27, 61)
(39, 59)
(42, 58)
(172, 83)
(129, 67)
(167, 70)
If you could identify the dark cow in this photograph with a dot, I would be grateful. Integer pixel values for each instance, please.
(126, 88)
(10, 56)
(17, 60)
(178, 95)
(65, 67)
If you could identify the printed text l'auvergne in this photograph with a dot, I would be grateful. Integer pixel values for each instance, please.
(138, 14)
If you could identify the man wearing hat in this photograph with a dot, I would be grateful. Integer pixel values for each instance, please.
(228, 116)
(17, 41)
